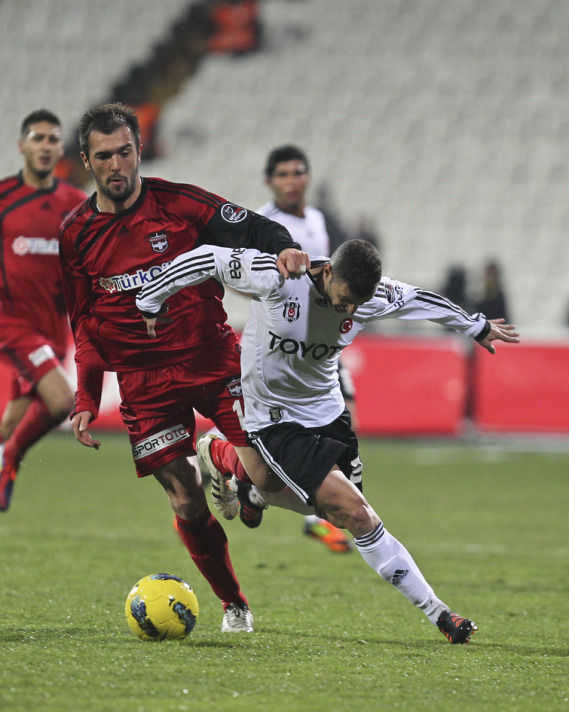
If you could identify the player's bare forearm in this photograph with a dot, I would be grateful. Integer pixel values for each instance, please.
(499, 331)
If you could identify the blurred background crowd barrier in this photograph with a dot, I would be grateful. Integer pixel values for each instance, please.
(425, 387)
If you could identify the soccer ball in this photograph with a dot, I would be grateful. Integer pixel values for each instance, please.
(161, 606)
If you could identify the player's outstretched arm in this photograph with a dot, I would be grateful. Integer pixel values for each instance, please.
(499, 331)
(80, 424)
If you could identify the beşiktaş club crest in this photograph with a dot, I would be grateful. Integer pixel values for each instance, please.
(158, 241)
(291, 310)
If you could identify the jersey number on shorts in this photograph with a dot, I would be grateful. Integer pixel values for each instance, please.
(239, 411)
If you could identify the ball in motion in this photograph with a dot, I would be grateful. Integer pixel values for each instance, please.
(161, 606)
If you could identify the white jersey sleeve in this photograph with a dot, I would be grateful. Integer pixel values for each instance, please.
(249, 271)
(394, 299)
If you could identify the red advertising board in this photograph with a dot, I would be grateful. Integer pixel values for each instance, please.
(523, 388)
(409, 386)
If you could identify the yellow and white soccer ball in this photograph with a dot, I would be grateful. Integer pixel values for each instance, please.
(161, 606)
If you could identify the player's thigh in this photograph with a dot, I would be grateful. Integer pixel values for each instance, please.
(258, 470)
(27, 352)
(222, 402)
(299, 456)
(156, 409)
(349, 460)
(54, 388)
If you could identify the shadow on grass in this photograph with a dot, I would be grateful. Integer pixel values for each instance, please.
(530, 651)
(504, 586)
(44, 636)
(427, 646)
(35, 635)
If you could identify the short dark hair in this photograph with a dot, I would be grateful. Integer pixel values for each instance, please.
(107, 119)
(35, 117)
(282, 154)
(358, 264)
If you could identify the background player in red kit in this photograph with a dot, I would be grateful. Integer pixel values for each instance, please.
(111, 245)
(34, 330)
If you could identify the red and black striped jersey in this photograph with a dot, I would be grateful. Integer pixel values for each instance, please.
(30, 284)
(106, 258)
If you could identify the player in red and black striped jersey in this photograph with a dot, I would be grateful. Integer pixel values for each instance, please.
(111, 245)
(34, 332)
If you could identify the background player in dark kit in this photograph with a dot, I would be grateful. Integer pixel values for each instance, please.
(33, 338)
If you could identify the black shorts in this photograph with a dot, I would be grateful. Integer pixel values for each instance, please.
(302, 457)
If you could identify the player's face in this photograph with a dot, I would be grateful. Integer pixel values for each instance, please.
(339, 294)
(288, 184)
(42, 147)
(113, 162)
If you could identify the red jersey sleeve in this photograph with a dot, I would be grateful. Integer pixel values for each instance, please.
(90, 363)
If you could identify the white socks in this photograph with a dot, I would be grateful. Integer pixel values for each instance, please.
(391, 560)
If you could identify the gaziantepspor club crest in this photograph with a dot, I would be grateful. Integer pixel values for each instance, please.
(291, 311)
(234, 388)
(158, 241)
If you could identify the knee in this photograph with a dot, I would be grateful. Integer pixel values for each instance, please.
(364, 516)
(359, 519)
(61, 406)
(187, 507)
(62, 411)
(7, 427)
(9, 422)
(181, 480)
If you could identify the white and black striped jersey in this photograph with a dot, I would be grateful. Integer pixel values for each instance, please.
(309, 231)
(294, 336)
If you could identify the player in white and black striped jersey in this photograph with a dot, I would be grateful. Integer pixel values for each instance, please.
(294, 411)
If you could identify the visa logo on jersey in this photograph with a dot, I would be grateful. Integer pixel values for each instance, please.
(136, 280)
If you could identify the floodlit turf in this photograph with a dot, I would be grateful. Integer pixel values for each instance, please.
(487, 526)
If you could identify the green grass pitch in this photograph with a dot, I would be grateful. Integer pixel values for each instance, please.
(488, 527)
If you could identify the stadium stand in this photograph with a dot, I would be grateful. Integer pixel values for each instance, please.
(447, 121)
(67, 55)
